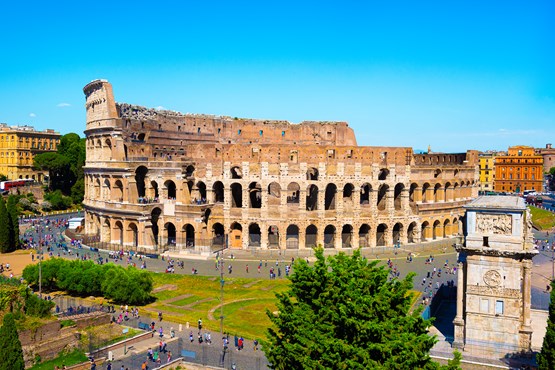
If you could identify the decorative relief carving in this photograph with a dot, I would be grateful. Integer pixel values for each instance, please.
(494, 224)
(492, 278)
(493, 291)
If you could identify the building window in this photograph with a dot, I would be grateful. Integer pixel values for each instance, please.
(261, 132)
(283, 133)
(238, 132)
(486, 241)
(533, 177)
(499, 307)
(484, 305)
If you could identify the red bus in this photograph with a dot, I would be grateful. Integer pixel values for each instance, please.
(7, 185)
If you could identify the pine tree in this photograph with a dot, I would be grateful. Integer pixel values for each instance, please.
(13, 213)
(11, 353)
(345, 313)
(546, 358)
(4, 228)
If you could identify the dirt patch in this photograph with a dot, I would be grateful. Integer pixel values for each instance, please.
(18, 260)
(164, 287)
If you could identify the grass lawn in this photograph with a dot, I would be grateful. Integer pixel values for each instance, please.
(542, 219)
(187, 298)
(68, 359)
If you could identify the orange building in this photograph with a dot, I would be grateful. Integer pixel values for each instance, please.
(521, 169)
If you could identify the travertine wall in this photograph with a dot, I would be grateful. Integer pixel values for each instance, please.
(159, 179)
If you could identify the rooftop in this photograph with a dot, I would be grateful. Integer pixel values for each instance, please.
(497, 202)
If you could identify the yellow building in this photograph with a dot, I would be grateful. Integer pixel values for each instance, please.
(487, 171)
(18, 147)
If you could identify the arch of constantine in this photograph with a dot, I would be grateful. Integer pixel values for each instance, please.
(157, 180)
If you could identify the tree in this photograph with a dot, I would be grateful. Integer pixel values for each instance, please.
(5, 245)
(552, 171)
(345, 313)
(13, 213)
(11, 353)
(546, 357)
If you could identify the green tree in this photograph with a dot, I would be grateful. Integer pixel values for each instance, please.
(11, 353)
(345, 313)
(13, 212)
(5, 245)
(552, 171)
(546, 357)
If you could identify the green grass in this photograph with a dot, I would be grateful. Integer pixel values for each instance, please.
(68, 359)
(245, 302)
(542, 219)
(65, 323)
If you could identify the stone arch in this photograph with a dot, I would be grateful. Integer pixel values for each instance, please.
(140, 174)
(218, 235)
(329, 200)
(380, 235)
(118, 232)
(364, 236)
(426, 231)
(412, 191)
(171, 189)
(382, 175)
(348, 191)
(236, 235)
(437, 230)
(293, 193)
(347, 236)
(190, 171)
(274, 194)
(255, 235)
(365, 191)
(107, 190)
(154, 186)
(134, 234)
(425, 192)
(437, 192)
(382, 197)
(218, 190)
(108, 149)
(448, 192)
(437, 173)
(397, 196)
(117, 191)
(188, 232)
(311, 236)
(398, 233)
(412, 233)
(312, 198)
(447, 228)
(170, 234)
(201, 188)
(154, 216)
(106, 231)
(292, 237)
(329, 236)
(97, 189)
(236, 172)
(312, 174)
(236, 195)
(273, 236)
(255, 195)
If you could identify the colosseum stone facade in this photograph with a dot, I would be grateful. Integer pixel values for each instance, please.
(158, 180)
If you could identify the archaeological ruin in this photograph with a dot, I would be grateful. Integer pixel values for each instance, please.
(160, 180)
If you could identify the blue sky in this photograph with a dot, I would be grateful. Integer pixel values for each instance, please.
(453, 75)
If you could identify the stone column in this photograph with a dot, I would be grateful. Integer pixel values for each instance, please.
(356, 200)
(458, 341)
(302, 200)
(417, 195)
(302, 238)
(264, 236)
(389, 200)
(405, 204)
(429, 195)
(526, 328)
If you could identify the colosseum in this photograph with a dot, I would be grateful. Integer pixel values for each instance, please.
(159, 180)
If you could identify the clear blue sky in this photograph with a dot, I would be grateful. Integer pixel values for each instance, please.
(455, 75)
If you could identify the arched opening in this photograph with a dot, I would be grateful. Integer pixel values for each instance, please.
(413, 188)
(412, 233)
(254, 235)
(190, 171)
(125, 151)
(425, 188)
(437, 230)
(169, 228)
(140, 174)
(255, 195)
(134, 235)
(365, 190)
(107, 189)
(397, 233)
(154, 186)
(141, 136)
(218, 236)
(273, 236)
(218, 190)
(348, 190)
(384, 172)
(274, 194)
(106, 235)
(189, 231)
(312, 174)
(329, 202)
(347, 236)
(170, 187)
(236, 235)
(117, 193)
(118, 233)
(236, 173)
(426, 231)
(446, 228)
(329, 236)
(364, 236)
(292, 237)
(397, 196)
(382, 199)
(236, 195)
(437, 192)
(293, 193)
(380, 235)
(201, 186)
(154, 216)
(448, 192)
(312, 198)
(311, 236)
